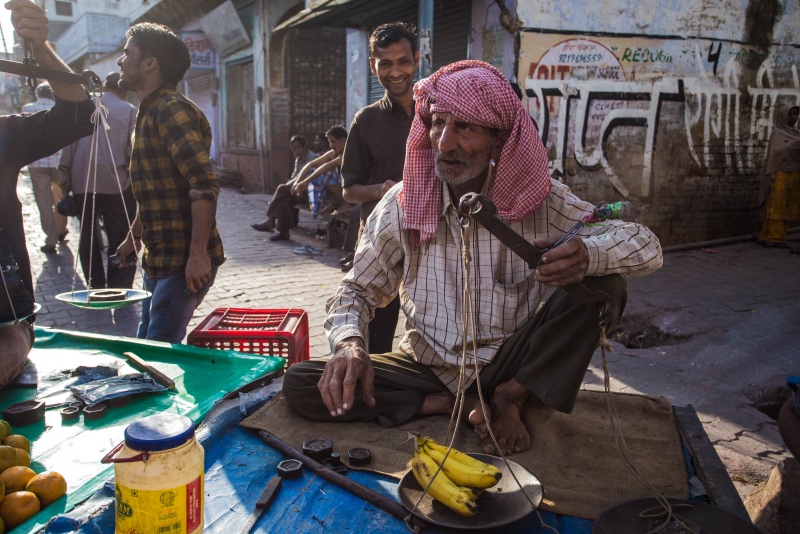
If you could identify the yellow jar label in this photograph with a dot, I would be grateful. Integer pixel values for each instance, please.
(167, 511)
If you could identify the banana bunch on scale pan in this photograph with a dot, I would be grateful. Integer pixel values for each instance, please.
(461, 480)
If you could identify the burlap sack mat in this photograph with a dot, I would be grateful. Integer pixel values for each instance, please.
(574, 456)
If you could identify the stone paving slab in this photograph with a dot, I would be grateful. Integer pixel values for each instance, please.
(737, 308)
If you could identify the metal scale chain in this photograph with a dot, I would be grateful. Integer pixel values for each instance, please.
(100, 124)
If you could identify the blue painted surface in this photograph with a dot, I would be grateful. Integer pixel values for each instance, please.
(238, 467)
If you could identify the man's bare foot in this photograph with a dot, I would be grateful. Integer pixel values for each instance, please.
(503, 415)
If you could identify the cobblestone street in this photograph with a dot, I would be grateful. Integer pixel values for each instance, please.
(717, 326)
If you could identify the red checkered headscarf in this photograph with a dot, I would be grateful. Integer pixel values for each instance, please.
(478, 93)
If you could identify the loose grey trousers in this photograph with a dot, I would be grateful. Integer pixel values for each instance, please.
(48, 194)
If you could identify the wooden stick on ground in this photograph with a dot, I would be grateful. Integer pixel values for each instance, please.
(157, 375)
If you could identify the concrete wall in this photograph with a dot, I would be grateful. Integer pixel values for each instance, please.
(490, 41)
(357, 72)
(670, 106)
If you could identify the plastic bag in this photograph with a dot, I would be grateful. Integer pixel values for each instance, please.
(54, 388)
(113, 388)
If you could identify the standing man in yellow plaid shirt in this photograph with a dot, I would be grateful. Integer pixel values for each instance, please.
(173, 183)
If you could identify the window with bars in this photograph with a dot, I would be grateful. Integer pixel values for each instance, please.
(317, 80)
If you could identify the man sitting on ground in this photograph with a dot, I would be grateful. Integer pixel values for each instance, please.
(470, 135)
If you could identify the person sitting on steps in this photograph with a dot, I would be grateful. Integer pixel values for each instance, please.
(293, 195)
(302, 156)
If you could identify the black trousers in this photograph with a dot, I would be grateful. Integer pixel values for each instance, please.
(353, 230)
(112, 209)
(282, 208)
(548, 355)
(382, 327)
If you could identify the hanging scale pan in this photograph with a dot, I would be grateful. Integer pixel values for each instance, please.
(103, 299)
(497, 506)
(626, 518)
(36, 308)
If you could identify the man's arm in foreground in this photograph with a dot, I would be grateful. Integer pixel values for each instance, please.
(374, 281)
(612, 247)
(361, 194)
(43, 133)
(31, 23)
(350, 365)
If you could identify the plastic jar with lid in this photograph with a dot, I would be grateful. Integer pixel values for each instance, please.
(158, 472)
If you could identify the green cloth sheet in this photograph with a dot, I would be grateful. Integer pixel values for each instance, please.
(74, 448)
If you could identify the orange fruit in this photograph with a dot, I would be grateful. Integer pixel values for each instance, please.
(48, 487)
(8, 430)
(2, 495)
(23, 458)
(18, 442)
(8, 457)
(16, 478)
(18, 507)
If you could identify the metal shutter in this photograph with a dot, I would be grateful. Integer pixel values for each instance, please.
(200, 89)
(451, 28)
(317, 80)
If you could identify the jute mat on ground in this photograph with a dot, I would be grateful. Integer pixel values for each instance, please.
(574, 456)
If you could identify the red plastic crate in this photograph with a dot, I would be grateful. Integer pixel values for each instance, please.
(281, 333)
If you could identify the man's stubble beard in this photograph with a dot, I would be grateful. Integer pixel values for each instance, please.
(475, 166)
(130, 82)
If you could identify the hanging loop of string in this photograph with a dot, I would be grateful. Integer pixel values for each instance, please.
(469, 335)
(8, 295)
(99, 119)
(665, 509)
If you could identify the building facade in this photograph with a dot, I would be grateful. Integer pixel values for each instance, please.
(667, 103)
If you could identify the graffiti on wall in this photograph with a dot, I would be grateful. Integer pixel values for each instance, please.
(580, 91)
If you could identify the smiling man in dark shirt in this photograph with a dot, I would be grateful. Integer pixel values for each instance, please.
(376, 147)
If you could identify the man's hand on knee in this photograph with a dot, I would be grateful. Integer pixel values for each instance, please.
(349, 366)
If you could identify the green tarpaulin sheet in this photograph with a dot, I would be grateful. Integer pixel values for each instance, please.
(74, 449)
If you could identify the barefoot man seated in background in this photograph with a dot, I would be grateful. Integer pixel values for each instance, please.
(470, 134)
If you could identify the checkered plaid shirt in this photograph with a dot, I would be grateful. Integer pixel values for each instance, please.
(504, 292)
(171, 168)
(43, 104)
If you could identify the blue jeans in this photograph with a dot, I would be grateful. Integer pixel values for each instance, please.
(168, 311)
